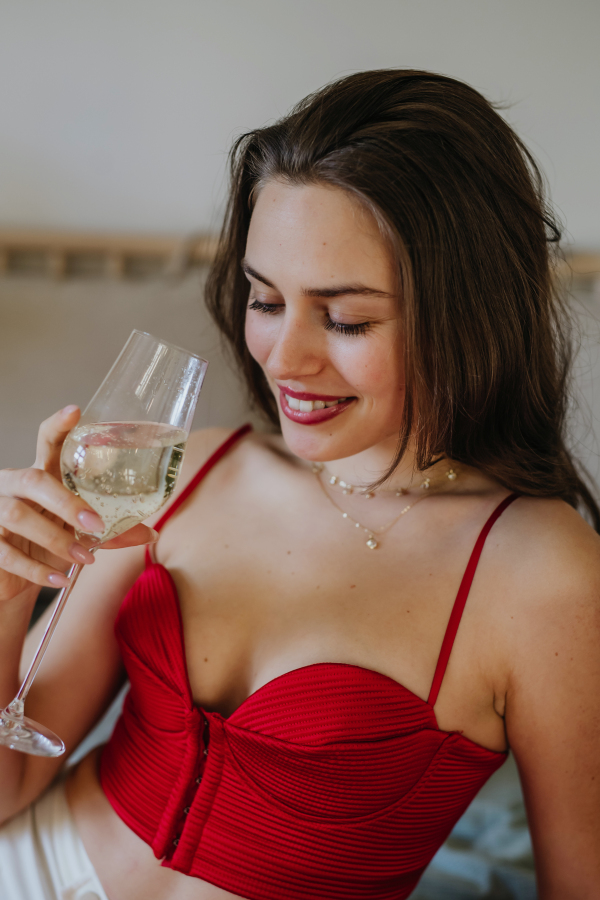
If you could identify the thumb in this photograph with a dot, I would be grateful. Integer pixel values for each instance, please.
(51, 435)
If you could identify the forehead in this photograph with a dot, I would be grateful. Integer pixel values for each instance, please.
(316, 232)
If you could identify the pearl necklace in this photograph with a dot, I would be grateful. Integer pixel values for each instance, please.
(372, 542)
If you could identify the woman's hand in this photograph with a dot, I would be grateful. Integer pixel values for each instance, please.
(38, 516)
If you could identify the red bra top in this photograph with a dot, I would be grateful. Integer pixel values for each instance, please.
(331, 781)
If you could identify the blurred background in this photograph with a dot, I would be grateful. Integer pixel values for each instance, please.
(116, 117)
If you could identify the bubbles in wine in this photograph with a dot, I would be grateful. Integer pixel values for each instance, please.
(124, 470)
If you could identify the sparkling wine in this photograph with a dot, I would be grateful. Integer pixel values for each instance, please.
(124, 470)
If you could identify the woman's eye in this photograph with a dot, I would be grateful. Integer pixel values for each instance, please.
(268, 308)
(272, 309)
(341, 328)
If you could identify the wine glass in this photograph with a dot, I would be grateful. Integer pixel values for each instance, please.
(122, 458)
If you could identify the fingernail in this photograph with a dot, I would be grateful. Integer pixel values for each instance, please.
(80, 554)
(68, 410)
(57, 580)
(154, 537)
(90, 521)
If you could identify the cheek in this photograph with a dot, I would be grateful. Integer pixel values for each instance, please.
(261, 334)
(375, 370)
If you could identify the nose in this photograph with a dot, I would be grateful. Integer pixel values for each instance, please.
(296, 352)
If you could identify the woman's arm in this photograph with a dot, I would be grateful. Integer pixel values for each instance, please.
(553, 706)
(81, 673)
(82, 670)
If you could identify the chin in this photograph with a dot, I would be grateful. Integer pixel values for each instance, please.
(331, 440)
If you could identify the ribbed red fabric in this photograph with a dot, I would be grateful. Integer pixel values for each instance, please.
(331, 781)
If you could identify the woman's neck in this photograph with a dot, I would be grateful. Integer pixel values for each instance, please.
(370, 465)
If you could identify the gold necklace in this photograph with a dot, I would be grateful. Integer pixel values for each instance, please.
(372, 542)
(348, 488)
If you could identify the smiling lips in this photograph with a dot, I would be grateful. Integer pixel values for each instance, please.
(311, 409)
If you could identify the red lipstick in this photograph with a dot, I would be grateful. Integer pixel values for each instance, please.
(303, 395)
(316, 416)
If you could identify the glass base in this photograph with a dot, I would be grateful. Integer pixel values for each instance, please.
(20, 733)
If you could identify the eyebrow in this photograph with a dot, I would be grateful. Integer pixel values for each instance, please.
(341, 290)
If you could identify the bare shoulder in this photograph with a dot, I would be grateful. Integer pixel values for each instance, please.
(255, 448)
(549, 615)
(546, 546)
(200, 446)
(544, 567)
(244, 459)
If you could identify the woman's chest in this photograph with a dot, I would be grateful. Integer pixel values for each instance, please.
(258, 600)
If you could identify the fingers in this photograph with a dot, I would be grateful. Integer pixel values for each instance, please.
(51, 435)
(42, 488)
(139, 534)
(17, 563)
(19, 518)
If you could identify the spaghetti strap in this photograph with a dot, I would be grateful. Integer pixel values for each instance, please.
(200, 474)
(461, 599)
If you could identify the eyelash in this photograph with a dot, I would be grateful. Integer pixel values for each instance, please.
(271, 309)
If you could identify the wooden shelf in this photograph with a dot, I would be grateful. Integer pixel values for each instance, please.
(54, 254)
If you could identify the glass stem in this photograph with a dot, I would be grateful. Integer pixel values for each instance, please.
(17, 705)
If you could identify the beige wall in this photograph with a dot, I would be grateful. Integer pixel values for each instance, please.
(118, 114)
(58, 339)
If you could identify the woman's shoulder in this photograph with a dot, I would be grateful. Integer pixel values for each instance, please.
(551, 540)
(252, 446)
(544, 572)
(201, 445)
(248, 461)
(546, 549)
(244, 458)
(547, 618)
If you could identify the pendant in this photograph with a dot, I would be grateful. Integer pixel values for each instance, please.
(372, 543)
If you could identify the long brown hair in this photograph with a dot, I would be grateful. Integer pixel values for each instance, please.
(462, 202)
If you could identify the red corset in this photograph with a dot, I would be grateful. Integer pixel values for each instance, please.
(331, 781)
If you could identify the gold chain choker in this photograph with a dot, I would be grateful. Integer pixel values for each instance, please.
(372, 533)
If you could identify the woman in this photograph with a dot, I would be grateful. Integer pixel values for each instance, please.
(313, 701)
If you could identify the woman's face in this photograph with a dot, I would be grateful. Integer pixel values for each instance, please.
(323, 320)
